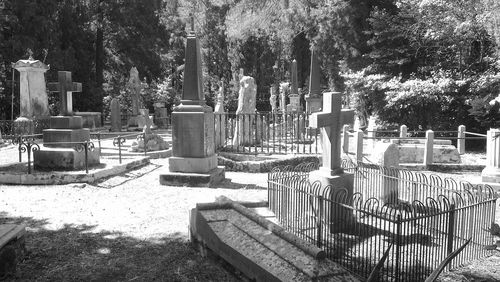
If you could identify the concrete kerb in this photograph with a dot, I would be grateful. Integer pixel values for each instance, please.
(67, 177)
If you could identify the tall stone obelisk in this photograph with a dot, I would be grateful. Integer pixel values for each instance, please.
(193, 161)
(294, 89)
(314, 99)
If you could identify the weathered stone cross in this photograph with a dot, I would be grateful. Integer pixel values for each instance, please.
(331, 120)
(65, 86)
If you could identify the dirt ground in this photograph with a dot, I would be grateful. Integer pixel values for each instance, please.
(130, 228)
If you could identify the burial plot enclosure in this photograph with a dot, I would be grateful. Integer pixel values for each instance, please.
(430, 218)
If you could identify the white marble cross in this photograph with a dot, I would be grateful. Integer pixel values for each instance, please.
(331, 120)
(65, 86)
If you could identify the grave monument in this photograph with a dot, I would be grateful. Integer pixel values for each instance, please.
(313, 99)
(64, 141)
(330, 121)
(33, 102)
(148, 141)
(294, 90)
(272, 99)
(220, 120)
(134, 86)
(193, 160)
(491, 173)
(245, 112)
(115, 116)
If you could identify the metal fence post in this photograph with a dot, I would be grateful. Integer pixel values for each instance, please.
(319, 221)
(145, 147)
(398, 245)
(86, 147)
(359, 145)
(451, 229)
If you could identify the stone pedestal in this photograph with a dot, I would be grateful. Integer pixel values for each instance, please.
(491, 173)
(193, 160)
(90, 119)
(341, 219)
(24, 126)
(61, 141)
(313, 104)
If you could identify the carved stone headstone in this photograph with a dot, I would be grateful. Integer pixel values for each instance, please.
(284, 89)
(245, 112)
(220, 119)
(34, 103)
(115, 116)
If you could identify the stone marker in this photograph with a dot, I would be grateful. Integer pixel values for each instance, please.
(330, 121)
(387, 156)
(491, 173)
(245, 112)
(220, 119)
(294, 90)
(149, 141)
(115, 116)
(193, 160)
(284, 88)
(66, 132)
(272, 99)
(33, 102)
(313, 99)
(134, 86)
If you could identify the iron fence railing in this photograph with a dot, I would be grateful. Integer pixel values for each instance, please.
(10, 127)
(266, 132)
(356, 230)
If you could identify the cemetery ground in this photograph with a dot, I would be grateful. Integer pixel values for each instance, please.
(130, 228)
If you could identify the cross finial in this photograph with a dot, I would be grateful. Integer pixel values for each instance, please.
(65, 86)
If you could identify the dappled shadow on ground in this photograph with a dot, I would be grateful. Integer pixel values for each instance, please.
(76, 253)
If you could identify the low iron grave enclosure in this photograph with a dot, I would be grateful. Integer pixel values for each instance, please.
(426, 219)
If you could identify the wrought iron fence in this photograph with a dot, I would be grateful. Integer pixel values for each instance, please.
(266, 132)
(356, 230)
(10, 127)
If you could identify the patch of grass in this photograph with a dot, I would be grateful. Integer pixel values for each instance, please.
(76, 253)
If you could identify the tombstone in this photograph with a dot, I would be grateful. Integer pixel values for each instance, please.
(491, 173)
(193, 161)
(66, 133)
(294, 96)
(330, 121)
(116, 119)
(386, 155)
(220, 118)
(313, 99)
(272, 99)
(33, 102)
(134, 86)
(284, 88)
(148, 141)
(245, 113)
(161, 115)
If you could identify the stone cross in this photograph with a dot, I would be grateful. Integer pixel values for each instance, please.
(330, 120)
(65, 86)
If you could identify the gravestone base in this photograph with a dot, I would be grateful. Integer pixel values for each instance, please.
(192, 165)
(64, 158)
(12, 247)
(341, 219)
(208, 179)
(55, 138)
(132, 121)
(66, 122)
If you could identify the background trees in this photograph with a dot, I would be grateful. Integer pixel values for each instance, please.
(393, 58)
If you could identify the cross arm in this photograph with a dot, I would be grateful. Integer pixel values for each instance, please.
(76, 87)
(53, 87)
(318, 120)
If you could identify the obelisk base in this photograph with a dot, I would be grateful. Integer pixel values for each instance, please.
(341, 219)
(208, 179)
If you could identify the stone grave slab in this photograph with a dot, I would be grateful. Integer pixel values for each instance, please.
(257, 247)
(12, 247)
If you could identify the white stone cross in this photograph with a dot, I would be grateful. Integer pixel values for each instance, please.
(65, 86)
(331, 120)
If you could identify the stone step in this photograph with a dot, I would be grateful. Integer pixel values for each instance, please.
(261, 253)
